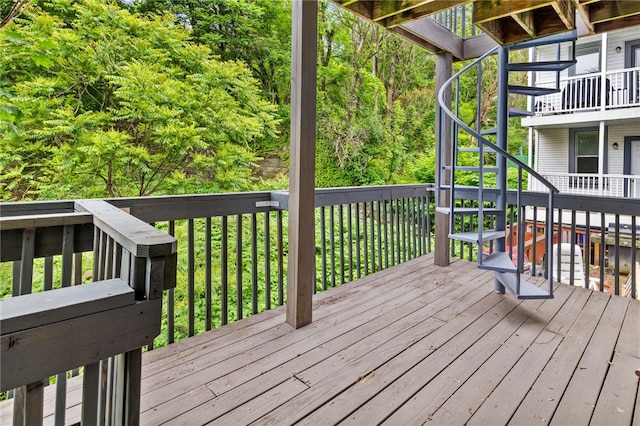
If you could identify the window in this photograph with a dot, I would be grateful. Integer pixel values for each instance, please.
(586, 157)
(588, 60)
(584, 147)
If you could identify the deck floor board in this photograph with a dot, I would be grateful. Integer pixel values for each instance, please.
(413, 344)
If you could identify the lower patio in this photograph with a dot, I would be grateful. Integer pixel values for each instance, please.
(413, 344)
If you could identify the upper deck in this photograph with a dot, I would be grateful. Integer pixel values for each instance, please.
(413, 344)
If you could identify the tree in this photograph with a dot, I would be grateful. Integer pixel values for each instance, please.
(115, 104)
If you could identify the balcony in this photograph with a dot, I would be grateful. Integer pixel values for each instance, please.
(609, 185)
(395, 338)
(618, 89)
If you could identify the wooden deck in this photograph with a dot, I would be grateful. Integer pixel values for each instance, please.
(413, 344)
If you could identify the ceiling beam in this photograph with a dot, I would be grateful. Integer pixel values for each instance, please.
(429, 8)
(388, 8)
(610, 10)
(484, 11)
(629, 21)
(527, 21)
(429, 30)
(583, 11)
(566, 12)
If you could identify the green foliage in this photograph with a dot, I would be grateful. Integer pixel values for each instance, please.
(115, 104)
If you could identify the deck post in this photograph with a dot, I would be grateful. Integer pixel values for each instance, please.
(444, 70)
(501, 138)
(301, 271)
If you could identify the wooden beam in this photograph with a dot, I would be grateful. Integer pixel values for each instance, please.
(484, 11)
(301, 270)
(477, 46)
(630, 21)
(361, 8)
(613, 10)
(584, 13)
(566, 12)
(527, 22)
(421, 11)
(429, 30)
(387, 8)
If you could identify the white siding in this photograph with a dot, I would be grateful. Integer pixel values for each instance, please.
(616, 134)
(615, 60)
(553, 151)
(618, 39)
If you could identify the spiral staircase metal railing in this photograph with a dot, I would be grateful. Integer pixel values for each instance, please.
(481, 156)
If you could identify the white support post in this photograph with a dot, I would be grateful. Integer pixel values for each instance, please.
(601, 157)
(301, 271)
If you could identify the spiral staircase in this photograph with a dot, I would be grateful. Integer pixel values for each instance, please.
(480, 155)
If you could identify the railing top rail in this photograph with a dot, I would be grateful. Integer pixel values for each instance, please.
(587, 203)
(27, 208)
(44, 220)
(134, 235)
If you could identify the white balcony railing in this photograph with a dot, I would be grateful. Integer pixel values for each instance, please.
(620, 89)
(609, 185)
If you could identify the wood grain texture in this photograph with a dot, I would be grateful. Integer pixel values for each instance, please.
(46, 350)
(37, 309)
(416, 343)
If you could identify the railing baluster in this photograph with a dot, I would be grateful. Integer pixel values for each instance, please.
(602, 250)
(48, 273)
(358, 258)
(341, 225)
(634, 259)
(617, 261)
(191, 276)
(332, 245)
(254, 264)
(323, 246)
(365, 238)
(224, 280)
(171, 299)
(350, 238)
(280, 261)
(385, 204)
(239, 303)
(267, 259)
(379, 227)
(207, 274)
(372, 236)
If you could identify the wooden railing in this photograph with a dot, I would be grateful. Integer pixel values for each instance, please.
(58, 326)
(233, 247)
(596, 239)
(231, 263)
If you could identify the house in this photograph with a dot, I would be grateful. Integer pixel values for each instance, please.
(586, 136)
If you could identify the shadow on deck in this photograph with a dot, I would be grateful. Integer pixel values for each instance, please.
(413, 344)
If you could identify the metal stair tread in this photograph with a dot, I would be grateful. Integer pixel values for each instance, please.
(551, 39)
(491, 131)
(498, 261)
(541, 65)
(472, 237)
(517, 112)
(526, 291)
(532, 90)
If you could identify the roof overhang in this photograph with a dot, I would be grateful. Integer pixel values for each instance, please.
(502, 21)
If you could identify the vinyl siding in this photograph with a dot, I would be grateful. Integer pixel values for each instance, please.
(615, 60)
(553, 155)
(617, 135)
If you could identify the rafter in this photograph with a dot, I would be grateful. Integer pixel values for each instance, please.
(610, 10)
(428, 8)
